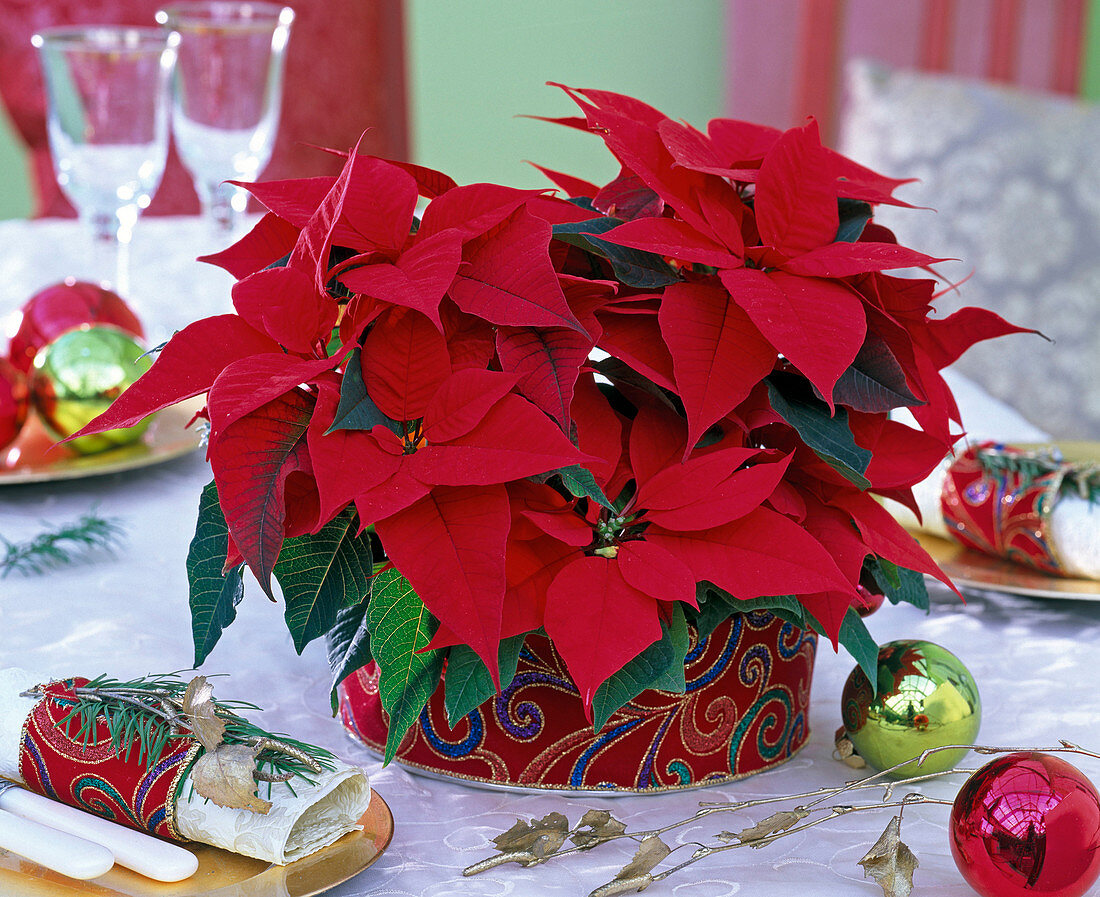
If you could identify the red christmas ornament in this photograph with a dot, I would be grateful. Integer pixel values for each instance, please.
(1026, 824)
(869, 601)
(14, 402)
(62, 307)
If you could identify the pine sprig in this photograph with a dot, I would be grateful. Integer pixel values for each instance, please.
(147, 712)
(64, 545)
(1080, 478)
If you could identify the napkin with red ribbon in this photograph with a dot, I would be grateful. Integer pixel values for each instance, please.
(41, 746)
(1026, 505)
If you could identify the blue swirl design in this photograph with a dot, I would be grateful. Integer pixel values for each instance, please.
(645, 775)
(576, 775)
(719, 665)
(525, 720)
(449, 749)
(768, 720)
(756, 665)
(87, 790)
(759, 619)
(789, 633)
(43, 774)
(696, 651)
(150, 779)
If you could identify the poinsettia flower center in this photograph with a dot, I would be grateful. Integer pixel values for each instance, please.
(610, 530)
(413, 438)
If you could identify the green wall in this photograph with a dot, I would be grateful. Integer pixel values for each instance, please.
(475, 65)
(15, 188)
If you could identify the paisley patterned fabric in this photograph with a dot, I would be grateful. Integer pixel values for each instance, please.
(745, 709)
(1002, 513)
(1008, 189)
(55, 760)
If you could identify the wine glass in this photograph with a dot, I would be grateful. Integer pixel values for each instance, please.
(107, 120)
(226, 94)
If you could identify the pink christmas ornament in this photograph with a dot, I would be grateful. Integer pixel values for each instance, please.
(1027, 824)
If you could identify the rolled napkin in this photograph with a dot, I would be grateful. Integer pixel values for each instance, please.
(150, 776)
(1028, 506)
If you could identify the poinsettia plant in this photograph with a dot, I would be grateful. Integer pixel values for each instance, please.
(602, 412)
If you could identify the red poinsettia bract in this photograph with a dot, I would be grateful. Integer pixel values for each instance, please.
(434, 375)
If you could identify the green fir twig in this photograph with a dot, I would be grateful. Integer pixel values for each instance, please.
(67, 544)
(1079, 478)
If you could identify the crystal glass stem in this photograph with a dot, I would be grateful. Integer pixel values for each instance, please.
(223, 205)
(110, 262)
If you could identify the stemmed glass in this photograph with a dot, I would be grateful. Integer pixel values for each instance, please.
(107, 120)
(226, 95)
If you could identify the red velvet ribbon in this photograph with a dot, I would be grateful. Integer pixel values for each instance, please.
(1002, 513)
(55, 760)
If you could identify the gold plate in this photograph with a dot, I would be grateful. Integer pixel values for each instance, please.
(32, 458)
(220, 873)
(970, 569)
(1075, 451)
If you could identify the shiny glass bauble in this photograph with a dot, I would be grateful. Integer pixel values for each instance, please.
(62, 307)
(14, 402)
(1027, 823)
(926, 698)
(77, 377)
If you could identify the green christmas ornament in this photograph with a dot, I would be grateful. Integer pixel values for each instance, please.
(76, 377)
(926, 698)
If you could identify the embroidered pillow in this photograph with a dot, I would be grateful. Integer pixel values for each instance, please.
(1014, 179)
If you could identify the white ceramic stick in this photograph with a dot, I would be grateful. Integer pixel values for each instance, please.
(59, 851)
(146, 855)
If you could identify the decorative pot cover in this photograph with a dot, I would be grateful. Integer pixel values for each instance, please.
(745, 709)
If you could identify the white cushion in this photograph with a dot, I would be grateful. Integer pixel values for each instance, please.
(1014, 178)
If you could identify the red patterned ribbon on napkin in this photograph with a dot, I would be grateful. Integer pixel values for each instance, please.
(90, 775)
(1002, 512)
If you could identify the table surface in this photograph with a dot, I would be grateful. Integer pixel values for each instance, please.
(127, 615)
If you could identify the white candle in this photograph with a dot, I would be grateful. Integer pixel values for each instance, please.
(146, 855)
(59, 851)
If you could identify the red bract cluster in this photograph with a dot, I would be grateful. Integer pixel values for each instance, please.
(433, 378)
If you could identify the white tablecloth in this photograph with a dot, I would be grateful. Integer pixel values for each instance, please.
(1034, 660)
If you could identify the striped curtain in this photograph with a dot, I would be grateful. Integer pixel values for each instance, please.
(786, 57)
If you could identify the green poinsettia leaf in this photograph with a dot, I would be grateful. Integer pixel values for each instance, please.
(356, 409)
(859, 642)
(400, 627)
(854, 215)
(660, 666)
(621, 374)
(582, 484)
(900, 584)
(633, 267)
(717, 605)
(856, 640)
(829, 436)
(213, 596)
(875, 381)
(347, 644)
(468, 684)
(321, 573)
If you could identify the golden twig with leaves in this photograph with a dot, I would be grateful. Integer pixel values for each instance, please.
(890, 862)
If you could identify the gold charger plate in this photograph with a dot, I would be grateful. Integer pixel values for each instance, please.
(974, 570)
(32, 458)
(220, 873)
